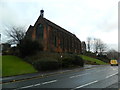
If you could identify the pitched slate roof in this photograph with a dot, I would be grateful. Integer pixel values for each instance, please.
(55, 26)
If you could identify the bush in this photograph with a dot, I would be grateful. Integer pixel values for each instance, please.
(78, 61)
(52, 61)
(103, 58)
(28, 47)
(88, 53)
(67, 62)
(46, 64)
(73, 60)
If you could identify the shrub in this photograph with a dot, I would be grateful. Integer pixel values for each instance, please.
(78, 61)
(67, 62)
(28, 47)
(103, 58)
(52, 61)
(46, 64)
(88, 53)
(72, 60)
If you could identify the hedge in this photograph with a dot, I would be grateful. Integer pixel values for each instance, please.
(46, 64)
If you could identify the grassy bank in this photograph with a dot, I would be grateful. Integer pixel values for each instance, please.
(92, 60)
(12, 65)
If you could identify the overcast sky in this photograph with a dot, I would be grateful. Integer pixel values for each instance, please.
(84, 18)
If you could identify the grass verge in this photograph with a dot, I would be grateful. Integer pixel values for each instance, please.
(92, 60)
(12, 65)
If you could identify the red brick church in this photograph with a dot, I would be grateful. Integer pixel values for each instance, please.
(53, 37)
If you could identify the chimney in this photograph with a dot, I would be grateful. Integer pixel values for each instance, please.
(42, 13)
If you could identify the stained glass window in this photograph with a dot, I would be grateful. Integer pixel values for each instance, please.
(40, 31)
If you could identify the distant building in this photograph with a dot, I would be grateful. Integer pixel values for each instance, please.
(53, 37)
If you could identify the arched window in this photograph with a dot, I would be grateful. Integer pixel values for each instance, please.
(39, 31)
(55, 41)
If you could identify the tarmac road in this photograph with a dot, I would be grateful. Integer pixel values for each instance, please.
(101, 76)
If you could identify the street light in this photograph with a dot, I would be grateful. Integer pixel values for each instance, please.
(61, 56)
(61, 62)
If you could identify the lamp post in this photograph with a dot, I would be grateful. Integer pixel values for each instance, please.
(61, 62)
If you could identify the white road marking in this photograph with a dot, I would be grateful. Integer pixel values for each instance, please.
(79, 75)
(85, 85)
(49, 82)
(85, 74)
(27, 86)
(111, 75)
(90, 69)
(37, 84)
(114, 68)
(100, 71)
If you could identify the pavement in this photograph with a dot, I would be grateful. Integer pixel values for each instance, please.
(92, 77)
(41, 74)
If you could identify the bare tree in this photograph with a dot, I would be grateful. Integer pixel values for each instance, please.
(102, 47)
(89, 43)
(96, 45)
(16, 34)
(113, 54)
(99, 46)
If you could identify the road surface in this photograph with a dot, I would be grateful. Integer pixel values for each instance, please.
(98, 77)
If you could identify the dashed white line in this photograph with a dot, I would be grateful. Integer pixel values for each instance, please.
(27, 86)
(37, 84)
(114, 68)
(90, 69)
(49, 82)
(85, 74)
(79, 75)
(85, 85)
(111, 75)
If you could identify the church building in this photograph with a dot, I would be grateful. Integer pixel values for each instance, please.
(53, 37)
